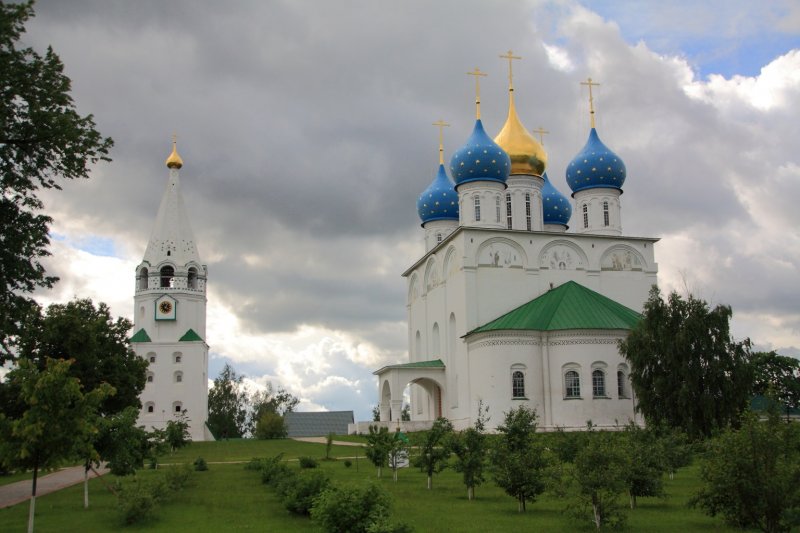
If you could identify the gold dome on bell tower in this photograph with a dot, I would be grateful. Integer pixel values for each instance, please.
(526, 153)
(174, 160)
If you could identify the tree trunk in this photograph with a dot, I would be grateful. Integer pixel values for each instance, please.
(671, 475)
(633, 501)
(430, 482)
(379, 471)
(519, 505)
(86, 487)
(394, 474)
(470, 493)
(32, 507)
(596, 515)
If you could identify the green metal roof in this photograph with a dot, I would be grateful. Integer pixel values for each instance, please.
(569, 306)
(141, 336)
(436, 363)
(190, 336)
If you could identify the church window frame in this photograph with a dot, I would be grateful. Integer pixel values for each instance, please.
(477, 204)
(438, 238)
(144, 279)
(167, 276)
(497, 208)
(177, 357)
(191, 278)
(518, 382)
(623, 387)
(177, 407)
(585, 209)
(508, 211)
(605, 213)
(599, 383)
(151, 377)
(151, 357)
(178, 377)
(572, 382)
(528, 211)
(150, 407)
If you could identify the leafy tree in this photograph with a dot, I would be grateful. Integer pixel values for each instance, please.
(376, 413)
(405, 413)
(227, 405)
(600, 472)
(778, 376)
(43, 140)
(57, 414)
(271, 426)
(646, 463)
(97, 344)
(379, 444)
(398, 452)
(751, 476)
(279, 402)
(354, 509)
(176, 434)
(518, 461)
(469, 447)
(686, 369)
(433, 449)
(121, 443)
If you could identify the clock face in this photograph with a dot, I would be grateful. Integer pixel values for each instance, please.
(165, 307)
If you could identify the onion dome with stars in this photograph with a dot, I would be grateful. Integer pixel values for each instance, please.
(480, 159)
(440, 200)
(556, 208)
(595, 167)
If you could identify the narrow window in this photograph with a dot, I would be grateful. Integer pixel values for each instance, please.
(193, 278)
(585, 216)
(178, 377)
(143, 278)
(518, 384)
(572, 384)
(477, 209)
(598, 383)
(508, 211)
(167, 273)
(150, 377)
(528, 210)
(621, 392)
(605, 213)
(177, 358)
(151, 408)
(178, 408)
(497, 208)
(152, 358)
(438, 238)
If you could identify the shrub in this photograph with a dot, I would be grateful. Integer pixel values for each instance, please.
(177, 477)
(351, 508)
(200, 464)
(256, 463)
(270, 426)
(348, 463)
(308, 462)
(299, 491)
(137, 499)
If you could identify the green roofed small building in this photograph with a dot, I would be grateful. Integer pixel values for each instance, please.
(511, 303)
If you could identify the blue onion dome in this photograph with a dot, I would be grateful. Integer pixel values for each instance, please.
(595, 167)
(440, 200)
(480, 159)
(556, 208)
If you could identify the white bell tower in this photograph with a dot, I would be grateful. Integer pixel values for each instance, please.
(170, 317)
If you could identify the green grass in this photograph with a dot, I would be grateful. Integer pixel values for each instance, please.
(246, 449)
(229, 498)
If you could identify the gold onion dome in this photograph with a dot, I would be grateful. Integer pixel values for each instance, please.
(174, 160)
(526, 153)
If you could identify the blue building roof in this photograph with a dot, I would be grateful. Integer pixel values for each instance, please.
(480, 159)
(440, 200)
(595, 166)
(556, 208)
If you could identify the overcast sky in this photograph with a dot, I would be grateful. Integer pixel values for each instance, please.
(305, 130)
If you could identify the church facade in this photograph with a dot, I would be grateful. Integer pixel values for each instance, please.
(507, 307)
(170, 317)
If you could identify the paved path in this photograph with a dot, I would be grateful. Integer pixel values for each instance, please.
(18, 492)
(323, 440)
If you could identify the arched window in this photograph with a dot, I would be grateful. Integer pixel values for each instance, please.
(572, 384)
(477, 208)
(517, 384)
(177, 407)
(598, 383)
(178, 377)
(143, 278)
(152, 357)
(418, 345)
(622, 389)
(192, 278)
(497, 208)
(585, 209)
(528, 210)
(150, 407)
(150, 377)
(435, 347)
(605, 213)
(178, 356)
(508, 211)
(167, 273)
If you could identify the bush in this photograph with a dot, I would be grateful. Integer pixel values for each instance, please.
(308, 462)
(348, 463)
(300, 491)
(256, 463)
(200, 464)
(351, 508)
(177, 477)
(274, 469)
(270, 426)
(137, 499)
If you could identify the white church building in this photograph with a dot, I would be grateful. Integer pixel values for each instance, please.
(510, 305)
(170, 317)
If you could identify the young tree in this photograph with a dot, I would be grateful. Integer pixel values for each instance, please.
(379, 444)
(751, 476)
(646, 463)
(470, 447)
(272, 403)
(57, 415)
(398, 452)
(518, 461)
(227, 405)
(43, 140)
(686, 369)
(176, 434)
(97, 344)
(600, 472)
(433, 449)
(779, 376)
(270, 426)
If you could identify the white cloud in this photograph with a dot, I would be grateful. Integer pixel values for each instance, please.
(558, 57)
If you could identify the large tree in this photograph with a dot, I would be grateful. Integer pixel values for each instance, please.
(686, 370)
(43, 140)
(227, 405)
(778, 377)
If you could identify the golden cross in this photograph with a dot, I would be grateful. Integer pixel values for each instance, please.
(589, 83)
(442, 124)
(511, 57)
(174, 138)
(541, 131)
(477, 73)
